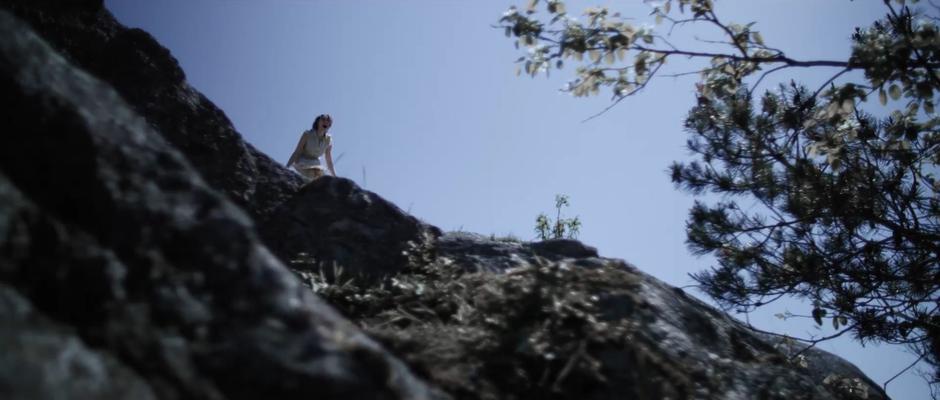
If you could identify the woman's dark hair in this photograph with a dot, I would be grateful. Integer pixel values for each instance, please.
(320, 117)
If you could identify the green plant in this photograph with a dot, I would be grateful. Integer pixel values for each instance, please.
(560, 228)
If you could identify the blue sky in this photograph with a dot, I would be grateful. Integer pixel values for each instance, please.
(428, 113)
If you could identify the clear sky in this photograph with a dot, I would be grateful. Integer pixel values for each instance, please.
(428, 113)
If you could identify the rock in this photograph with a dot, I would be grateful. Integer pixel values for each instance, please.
(110, 232)
(564, 247)
(493, 319)
(150, 79)
(833, 371)
(40, 359)
(475, 252)
(333, 221)
(686, 328)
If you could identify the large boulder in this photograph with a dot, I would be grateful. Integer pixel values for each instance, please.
(110, 232)
(149, 78)
(333, 222)
(498, 319)
(40, 359)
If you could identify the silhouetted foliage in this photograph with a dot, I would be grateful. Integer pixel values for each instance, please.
(822, 199)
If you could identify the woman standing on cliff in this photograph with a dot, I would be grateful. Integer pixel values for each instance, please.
(314, 143)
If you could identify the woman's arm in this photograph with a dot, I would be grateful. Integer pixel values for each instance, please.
(300, 145)
(329, 159)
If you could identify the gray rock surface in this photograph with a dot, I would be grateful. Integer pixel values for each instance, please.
(826, 367)
(573, 328)
(682, 346)
(105, 228)
(332, 221)
(750, 363)
(475, 252)
(40, 359)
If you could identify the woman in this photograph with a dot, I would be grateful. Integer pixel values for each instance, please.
(314, 143)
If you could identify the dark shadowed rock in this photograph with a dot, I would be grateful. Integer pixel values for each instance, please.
(332, 220)
(40, 359)
(151, 81)
(108, 230)
(563, 248)
(495, 319)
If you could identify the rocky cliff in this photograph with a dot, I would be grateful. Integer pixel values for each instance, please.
(147, 251)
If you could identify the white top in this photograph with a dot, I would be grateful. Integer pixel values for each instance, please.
(314, 147)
